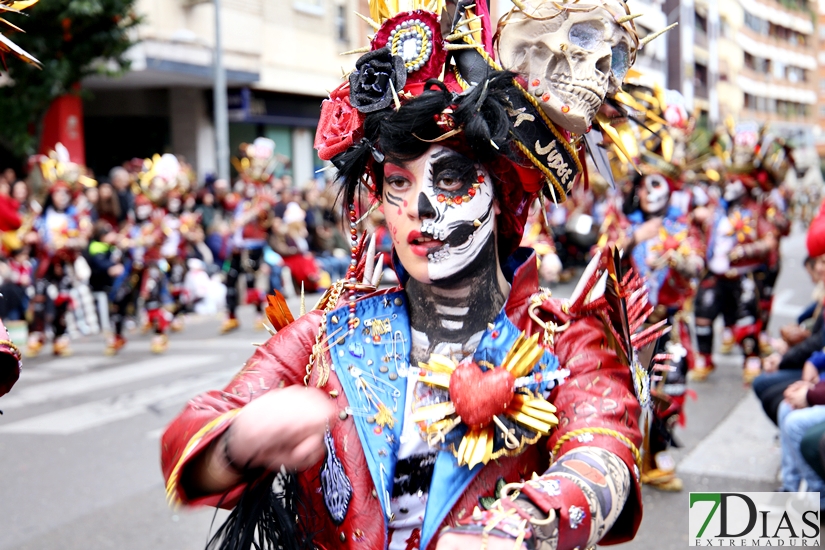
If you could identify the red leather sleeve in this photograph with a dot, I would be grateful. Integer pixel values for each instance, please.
(278, 363)
(599, 394)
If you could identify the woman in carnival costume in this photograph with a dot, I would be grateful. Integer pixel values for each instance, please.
(743, 243)
(61, 234)
(425, 415)
(251, 227)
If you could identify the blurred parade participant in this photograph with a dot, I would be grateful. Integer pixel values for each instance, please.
(251, 224)
(426, 402)
(668, 252)
(163, 180)
(61, 237)
(744, 237)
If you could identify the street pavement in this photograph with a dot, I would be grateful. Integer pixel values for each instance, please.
(80, 437)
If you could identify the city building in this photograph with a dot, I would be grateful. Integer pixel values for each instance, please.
(754, 61)
(281, 57)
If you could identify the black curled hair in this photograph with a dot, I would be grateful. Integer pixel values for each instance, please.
(404, 135)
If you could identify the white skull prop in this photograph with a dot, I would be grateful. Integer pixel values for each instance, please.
(572, 56)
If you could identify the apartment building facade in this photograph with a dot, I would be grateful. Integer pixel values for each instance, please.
(281, 59)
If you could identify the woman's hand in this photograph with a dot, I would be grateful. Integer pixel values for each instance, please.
(647, 230)
(797, 394)
(809, 373)
(771, 362)
(282, 428)
(455, 541)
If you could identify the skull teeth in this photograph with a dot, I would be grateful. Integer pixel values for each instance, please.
(440, 255)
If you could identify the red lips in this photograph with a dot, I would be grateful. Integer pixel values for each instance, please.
(421, 244)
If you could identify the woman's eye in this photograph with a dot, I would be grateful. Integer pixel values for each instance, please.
(449, 184)
(398, 183)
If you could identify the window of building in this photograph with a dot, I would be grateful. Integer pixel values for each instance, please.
(311, 7)
(341, 23)
(822, 111)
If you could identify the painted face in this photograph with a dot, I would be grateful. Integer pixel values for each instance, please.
(440, 212)
(60, 199)
(143, 211)
(734, 191)
(653, 194)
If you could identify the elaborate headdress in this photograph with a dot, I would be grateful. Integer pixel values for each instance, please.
(58, 171)
(430, 75)
(257, 161)
(6, 45)
(761, 154)
(160, 175)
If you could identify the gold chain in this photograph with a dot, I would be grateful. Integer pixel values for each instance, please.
(10, 344)
(331, 297)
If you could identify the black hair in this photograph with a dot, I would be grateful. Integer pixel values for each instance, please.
(405, 134)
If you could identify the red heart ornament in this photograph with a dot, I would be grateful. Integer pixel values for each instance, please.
(479, 395)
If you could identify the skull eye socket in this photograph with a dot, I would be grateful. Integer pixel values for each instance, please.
(587, 35)
(620, 60)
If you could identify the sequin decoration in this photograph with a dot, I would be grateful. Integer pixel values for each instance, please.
(335, 485)
(576, 515)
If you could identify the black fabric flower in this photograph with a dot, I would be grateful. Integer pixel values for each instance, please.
(370, 81)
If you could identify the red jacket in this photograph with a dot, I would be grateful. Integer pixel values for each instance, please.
(9, 217)
(598, 393)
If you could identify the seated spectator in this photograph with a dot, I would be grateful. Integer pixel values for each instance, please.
(784, 366)
(802, 409)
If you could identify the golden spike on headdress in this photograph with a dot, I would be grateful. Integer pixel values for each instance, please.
(369, 21)
(303, 308)
(457, 35)
(365, 49)
(12, 25)
(469, 21)
(381, 10)
(395, 96)
(626, 18)
(453, 47)
(649, 38)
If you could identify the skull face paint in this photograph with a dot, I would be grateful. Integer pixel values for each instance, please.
(654, 193)
(440, 212)
(571, 59)
(734, 191)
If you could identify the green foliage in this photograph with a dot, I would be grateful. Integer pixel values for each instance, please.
(73, 39)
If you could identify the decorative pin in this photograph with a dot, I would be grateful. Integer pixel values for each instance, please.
(356, 350)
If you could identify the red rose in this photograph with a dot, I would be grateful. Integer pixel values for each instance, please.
(340, 124)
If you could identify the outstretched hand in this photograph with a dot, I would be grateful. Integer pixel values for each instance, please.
(282, 428)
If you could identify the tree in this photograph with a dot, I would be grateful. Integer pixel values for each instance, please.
(72, 39)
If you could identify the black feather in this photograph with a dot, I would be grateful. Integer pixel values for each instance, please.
(264, 519)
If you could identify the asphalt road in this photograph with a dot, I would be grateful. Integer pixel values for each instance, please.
(79, 440)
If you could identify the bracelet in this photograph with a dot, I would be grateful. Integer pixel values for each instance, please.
(637, 456)
(227, 458)
(14, 349)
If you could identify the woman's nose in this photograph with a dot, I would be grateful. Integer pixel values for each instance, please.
(425, 207)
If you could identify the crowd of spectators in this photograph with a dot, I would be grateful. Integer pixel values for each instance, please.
(304, 242)
(792, 385)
